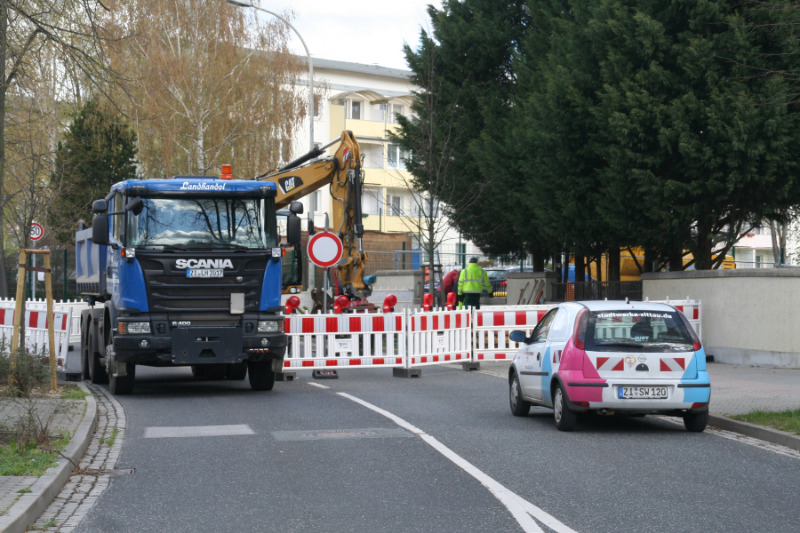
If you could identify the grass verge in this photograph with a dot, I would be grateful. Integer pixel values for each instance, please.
(788, 421)
(30, 460)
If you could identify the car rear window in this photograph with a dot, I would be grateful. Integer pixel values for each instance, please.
(638, 331)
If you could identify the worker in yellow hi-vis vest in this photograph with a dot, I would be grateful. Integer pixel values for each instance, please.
(471, 283)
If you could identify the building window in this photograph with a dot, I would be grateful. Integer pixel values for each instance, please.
(395, 156)
(394, 206)
(371, 200)
(355, 110)
(317, 107)
(394, 110)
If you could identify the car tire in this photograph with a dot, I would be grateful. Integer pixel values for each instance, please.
(519, 407)
(695, 422)
(261, 375)
(565, 418)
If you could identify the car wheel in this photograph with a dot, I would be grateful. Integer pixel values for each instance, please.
(565, 419)
(695, 422)
(261, 375)
(519, 407)
(236, 371)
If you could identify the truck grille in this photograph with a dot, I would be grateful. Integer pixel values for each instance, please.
(169, 290)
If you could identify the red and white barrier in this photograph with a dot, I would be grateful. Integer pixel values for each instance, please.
(439, 336)
(421, 338)
(346, 340)
(36, 336)
(493, 324)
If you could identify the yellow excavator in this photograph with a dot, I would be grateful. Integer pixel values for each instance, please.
(343, 172)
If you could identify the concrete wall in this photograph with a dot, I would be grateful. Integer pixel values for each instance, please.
(523, 287)
(748, 316)
(405, 284)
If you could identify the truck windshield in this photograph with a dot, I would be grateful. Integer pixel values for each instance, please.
(237, 223)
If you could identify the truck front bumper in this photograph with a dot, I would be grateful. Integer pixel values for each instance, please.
(195, 345)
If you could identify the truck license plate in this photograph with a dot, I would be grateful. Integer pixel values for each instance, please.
(643, 393)
(204, 273)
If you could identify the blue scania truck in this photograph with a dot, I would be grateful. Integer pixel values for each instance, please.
(184, 272)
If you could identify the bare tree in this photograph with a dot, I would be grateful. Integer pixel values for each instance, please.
(211, 84)
(69, 34)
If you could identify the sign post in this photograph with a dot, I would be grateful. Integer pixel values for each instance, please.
(325, 250)
(37, 232)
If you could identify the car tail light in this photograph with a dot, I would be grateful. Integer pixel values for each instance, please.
(697, 404)
(579, 336)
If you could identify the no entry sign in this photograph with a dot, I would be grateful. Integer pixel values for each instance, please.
(324, 249)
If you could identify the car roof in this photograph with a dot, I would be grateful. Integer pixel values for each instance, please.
(618, 305)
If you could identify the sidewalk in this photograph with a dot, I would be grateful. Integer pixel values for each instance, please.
(734, 390)
(24, 498)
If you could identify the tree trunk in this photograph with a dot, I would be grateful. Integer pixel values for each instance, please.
(580, 268)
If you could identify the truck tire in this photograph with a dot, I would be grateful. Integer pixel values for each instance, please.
(236, 371)
(124, 384)
(261, 375)
(85, 358)
(97, 372)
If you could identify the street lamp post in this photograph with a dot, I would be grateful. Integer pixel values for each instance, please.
(310, 65)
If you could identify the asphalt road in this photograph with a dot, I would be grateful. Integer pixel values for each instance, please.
(369, 452)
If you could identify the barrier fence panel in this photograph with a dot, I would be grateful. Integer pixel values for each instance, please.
(439, 336)
(492, 325)
(36, 336)
(691, 310)
(346, 340)
(421, 338)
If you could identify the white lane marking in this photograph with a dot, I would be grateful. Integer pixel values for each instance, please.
(318, 385)
(522, 510)
(197, 431)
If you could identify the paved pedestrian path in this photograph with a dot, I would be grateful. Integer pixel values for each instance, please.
(24, 500)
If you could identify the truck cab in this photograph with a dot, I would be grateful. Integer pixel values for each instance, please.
(187, 272)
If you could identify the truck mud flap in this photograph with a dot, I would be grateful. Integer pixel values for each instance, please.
(193, 346)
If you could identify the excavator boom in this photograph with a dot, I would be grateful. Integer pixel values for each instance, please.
(342, 172)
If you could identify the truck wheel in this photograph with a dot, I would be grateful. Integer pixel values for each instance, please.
(565, 419)
(236, 371)
(215, 372)
(122, 384)
(97, 372)
(261, 375)
(85, 359)
(199, 371)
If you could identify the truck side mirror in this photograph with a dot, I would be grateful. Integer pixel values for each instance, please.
(311, 229)
(100, 228)
(99, 206)
(135, 205)
(293, 229)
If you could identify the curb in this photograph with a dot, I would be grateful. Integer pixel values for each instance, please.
(790, 440)
(32, 505)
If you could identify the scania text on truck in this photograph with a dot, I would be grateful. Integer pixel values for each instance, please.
(184, 272)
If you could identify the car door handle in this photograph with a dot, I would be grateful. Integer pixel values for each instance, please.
(539, 356)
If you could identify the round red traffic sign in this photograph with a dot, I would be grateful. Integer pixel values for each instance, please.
(37, 231)
(324, 249)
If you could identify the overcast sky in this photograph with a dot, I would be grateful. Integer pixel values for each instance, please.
(360, 31)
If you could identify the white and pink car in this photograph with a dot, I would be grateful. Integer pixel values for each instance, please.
(611, 357)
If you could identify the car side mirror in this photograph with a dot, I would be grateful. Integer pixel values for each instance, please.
(518, 336)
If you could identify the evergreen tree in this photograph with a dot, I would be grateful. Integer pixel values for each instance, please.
(98, 150)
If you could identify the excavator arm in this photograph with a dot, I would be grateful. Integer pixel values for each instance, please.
(343, 173)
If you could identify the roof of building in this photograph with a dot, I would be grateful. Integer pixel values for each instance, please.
(360, 68)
